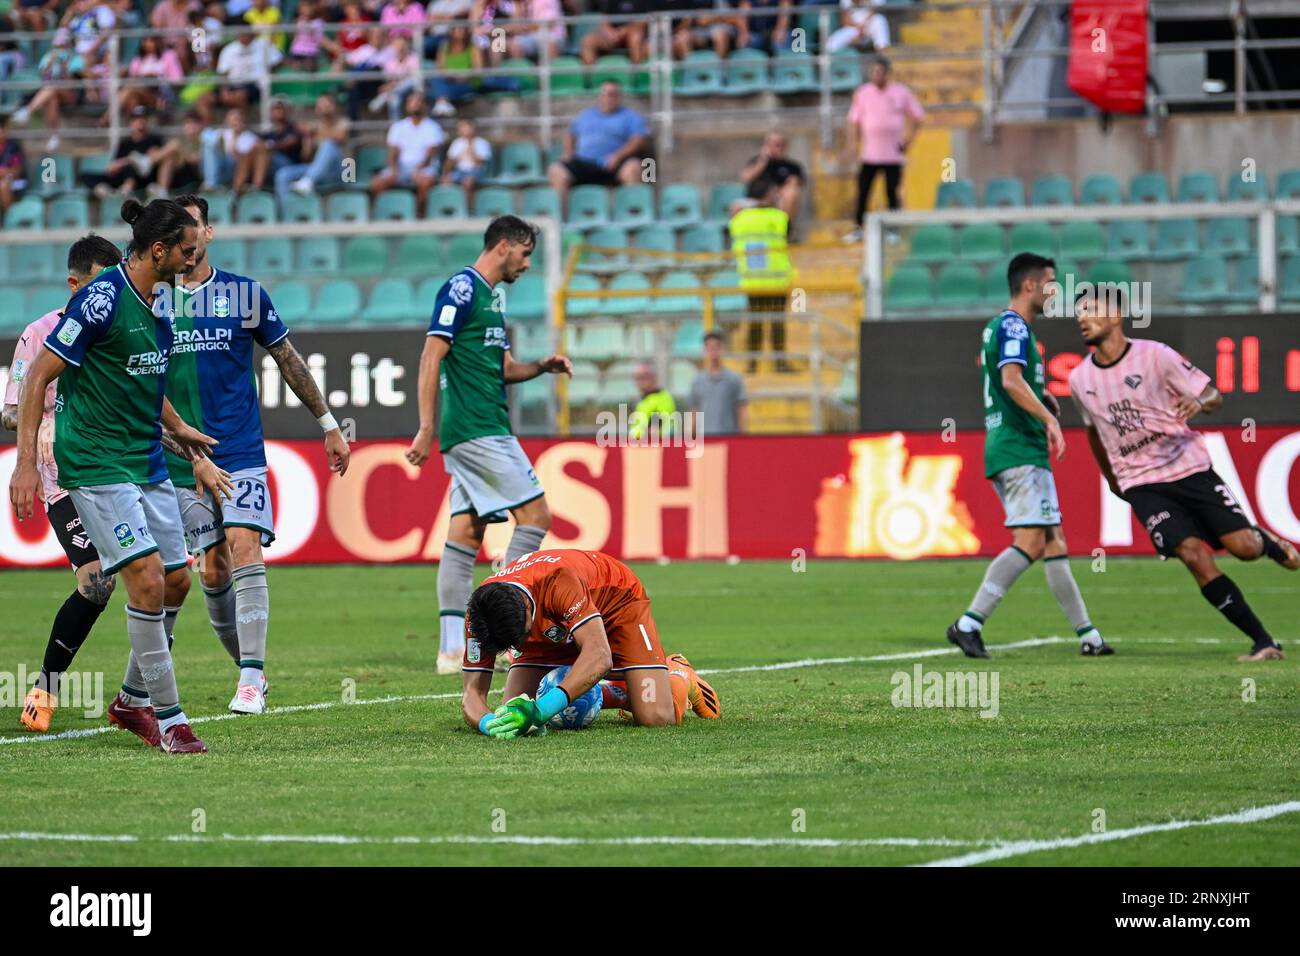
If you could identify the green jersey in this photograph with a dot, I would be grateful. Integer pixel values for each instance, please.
(1012, 436)
(472, 378)
(106, 415)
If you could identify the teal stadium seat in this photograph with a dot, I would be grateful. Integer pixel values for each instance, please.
(1148, 188)
(959, 286)
(700, 74)
(344, 207)
(318, 255)
(678, 279)
(371, 160)
(1052, 191)
(494, 201)
(1288, 184)
(230, 255)
(396, 205)
(689, 340)
(256, 209)
(745, 73)
(1004, 191)
(634, 205)
(272, 256)
(794, 73)
(583, 282)
(846, 71)
(702, 238)
(292, 301)
(463, 250)
(520, 164)
(14, 316)
(1129, 239)
(221, 208)
(46, 299)
(910, 287)
(62, 181)
(68, 212)
(982, 242)
(1245, 284)
(391, 302)
(300, 208)
(1288, 235)
(1033, 237)
(526, 298)
(1247, 190)
(1083, 240)
(1198, 187)
(679, 205)
(958, 194)
(568, 76)
(37, 261)
(610, 237)
(1110, 270)
(1176, 239)
(446, 202)
(1205, 279)
(338, 303)
(935, 243)
(541, 201)
(1101, 190)
(730, 302)
(1228, 237)
(588, 206)
(628, 305)
(27, 213)
(368, 256)
(1289, 284)
(655, 238)
(721, 196)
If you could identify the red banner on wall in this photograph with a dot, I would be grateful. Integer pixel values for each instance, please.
(890, 495)
(1108, 53)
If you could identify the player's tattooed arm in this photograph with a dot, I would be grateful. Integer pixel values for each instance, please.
(297, 376)
(9, 417)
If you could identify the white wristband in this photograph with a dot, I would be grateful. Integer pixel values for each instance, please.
(327, 422)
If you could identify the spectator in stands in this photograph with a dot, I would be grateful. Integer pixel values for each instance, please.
(282, 143)
(37, 15)
(467, 159)
(603, 145)
(772, 163)
(770, 32)
(13, 168)
(60, 62)
(458, 52)
(90, 22)
(490, 18)
(180, 162)
(438, 16)
(862, 27)
(11, 55)
(153, 61)
(525, 41)
(308, 38)
(883, 120)
(413, 144)
(354, 30)
(134, 163)
(399, 16)
(718, 393)
(242, 66)
(324, 140)
(608, 37)
(364, 68)
(230, 154)
(653, 416)
(235, 9)
(262, 14)
(175, 15)
(401, 65)
(724, 30)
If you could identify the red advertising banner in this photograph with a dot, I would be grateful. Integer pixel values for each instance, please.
(888, 495)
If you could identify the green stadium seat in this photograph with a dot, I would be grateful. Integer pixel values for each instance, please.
(1004, 191)
(1198, 187)
(416, 256)
(700, 74)
(256, 209)
(960, 285)
(520, 164)
(689, 339)
(794, 73)
(62, 181)
(702, 238)
(396, 205)
(1052, 191)
(368, 256)
(1033, 237)
(679, 279)
(426, 293)
(634, 205)
(909, 288)
(300, 208)
(1148, 188)
(371, 160)
(721, 196)
(391, 302)
(657, 238)
(994, 294)
(527, 80)
(1288, 235)
(37, 261)
(526, 298)
(1247, 190)
(14, 316)
(937, 243)
(462, 251)
(110, 212)
(318, 255)
(589, 206)
(628, 305)
(597, 341)
(679, 204)
(1289, 284)
(846, 71)
(1245, 284)
(292, 300)
(732, 302)
(95, 165)
(1229, 237)
(582, 282)
(1176, 239)
(745, 73)
(612, 237)
(1129, 239)
(68, 212)
(273, 256)
(27, 213)
(221, 208)
(46, 299)
(230, 255)
(347, 207)
(541, 201)
(1110, 270)
(446, 202)
(1288, 184)
(568, 76)
(1083, 240)
(338, 303)
(1064, 269)
(493, 201)
(982, 242)
(616, 68)
(1101, 190)
(1205, 279)
(958, 194)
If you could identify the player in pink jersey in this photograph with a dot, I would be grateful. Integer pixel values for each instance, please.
(1135, 397)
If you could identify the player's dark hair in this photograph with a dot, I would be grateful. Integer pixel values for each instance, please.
(497, 617)
(715, 335)
(760, 187)
(511, 228)
(163, 220)
(186, 200)
(1026, 265)
(91, 254)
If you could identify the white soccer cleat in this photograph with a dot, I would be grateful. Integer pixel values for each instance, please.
(449, 664)
(248, 699)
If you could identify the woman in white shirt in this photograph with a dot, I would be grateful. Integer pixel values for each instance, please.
(467, 159)
(861, 27)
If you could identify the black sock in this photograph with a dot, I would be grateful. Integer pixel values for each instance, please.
(71, 628)
(1271, 548)
(1227, 597)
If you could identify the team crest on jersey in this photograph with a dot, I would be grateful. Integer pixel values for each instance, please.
(1132, 381)
(71, 329)
(124, 536)
(97, 304)
(1015, 328)
(462, 289)
(555, 633)
(221, 306)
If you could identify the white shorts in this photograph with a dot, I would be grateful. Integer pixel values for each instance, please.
(249, 507)
(127, 521)
(1028, 495)
(489, 476)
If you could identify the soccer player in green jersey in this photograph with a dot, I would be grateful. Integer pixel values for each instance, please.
(1021, 435)
(109, 352)
(467, 361)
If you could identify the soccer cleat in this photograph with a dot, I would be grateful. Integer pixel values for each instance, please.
(180, 739)
(970, 642)
(38, 710)
(449, 663)
(1292, 560)
(139, 720)
(248, 699)
(1095, 650)
(700, 694)
(266, 685)
(1262, 652)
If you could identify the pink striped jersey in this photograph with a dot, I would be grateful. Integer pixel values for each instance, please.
(1131, 404)
(25, 354)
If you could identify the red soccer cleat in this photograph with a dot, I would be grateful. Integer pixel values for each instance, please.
(139, 720)
(180, 739)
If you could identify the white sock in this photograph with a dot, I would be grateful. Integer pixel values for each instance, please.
(251, 675)
(968, 625)
(451, 634)
(176, 718)
(1091, 636)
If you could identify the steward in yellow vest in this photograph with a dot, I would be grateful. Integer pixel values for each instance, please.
(759, 236)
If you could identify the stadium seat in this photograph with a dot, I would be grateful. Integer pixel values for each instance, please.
(1228, 237)
(462, 251)
(221, 208)
(702, 238)
(846, 71)
(730, 302)
(634, 205)
(347, 207)
(681, 376)
(598, 341)
(68, 212)
(394, 204)
(700, 74)
(494, 201)
(1064, 269)
(1176, 239)
(94, 165)
(1288, 184)
(1129, 239)
(371, 159)
(1205, 279)
(1083, 240)
(794, 73)
(426, 293)
(337, 303)
(909, 288)
(256, 209)
(1245, 284)
(689, 339)
(982, 242)
(37, 261)
(745, 73)
(679, 204)
(1198, 187)
(611, 68)
(46, 299)
(1148, 188)
(273, 256)
(1004, 191)
(959, 285)
(628, 305)
(721, 196)
(230, 255)
(110, 212)
(611, 237)
(300, 208)
(1288, 235)
(368, 256)
(520, 164)
(61, 181)
(541, 201)
(958, 194)
(568, 74)
(527, 80)
(292, 301)
(13, 311)
(27, 213)
(1110, 270)
(1033, 237)
(679, 279)
(1052, 191)
(937, 243)
(526, 298)
(582, 282)
(1247, 190)
(588, 206)
(994, 293)
(446, 202)
(655, 238)
(318, 255)
(391, 302)
(1101, 190)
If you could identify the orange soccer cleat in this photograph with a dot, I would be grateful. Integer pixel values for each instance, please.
(38, 709)
(703, 698)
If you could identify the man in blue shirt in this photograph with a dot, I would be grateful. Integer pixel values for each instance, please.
(603, 146)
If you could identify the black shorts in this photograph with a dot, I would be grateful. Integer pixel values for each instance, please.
(72, 536)
(587, 173)
(1198, 506)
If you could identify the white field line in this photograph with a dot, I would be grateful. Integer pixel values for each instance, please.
(930, 652)
(1005, 850)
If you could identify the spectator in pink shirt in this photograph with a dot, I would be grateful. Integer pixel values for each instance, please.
(526, 40)
(308, 38)
(174, 15)
(399, 15)
(153, 62)
(883, 121)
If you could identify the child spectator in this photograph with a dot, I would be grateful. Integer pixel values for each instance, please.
(467, 159)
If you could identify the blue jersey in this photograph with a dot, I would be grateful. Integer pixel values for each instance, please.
(211, 380)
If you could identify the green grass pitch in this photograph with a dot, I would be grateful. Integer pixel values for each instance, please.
(809, 765)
